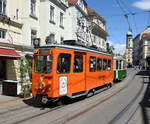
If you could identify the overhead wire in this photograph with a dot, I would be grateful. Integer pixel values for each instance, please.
(130, 13)
(125, 13)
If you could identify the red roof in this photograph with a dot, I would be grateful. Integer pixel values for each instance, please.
(92, 13)
(9, 53)
(72, 1)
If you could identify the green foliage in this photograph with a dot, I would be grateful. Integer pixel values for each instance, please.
(25, 69)
(110, 50)
(26, 93)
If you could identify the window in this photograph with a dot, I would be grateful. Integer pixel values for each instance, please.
(43, 64)
(63, 64)
(117, 64)
(33, 7)
(92, 63)
(33, 36)
(51, 38)
(61, 39)
(120, 64)
(99, 64)
(109, 64)
(2, 34)
(52, 13)
(104, 64)
(61, 19)
(78, 63)
(3, 6)
(148, 48)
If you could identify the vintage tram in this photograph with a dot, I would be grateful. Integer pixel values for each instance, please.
(120, 68)
(69, 70)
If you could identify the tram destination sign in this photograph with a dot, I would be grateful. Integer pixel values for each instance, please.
(44, 51)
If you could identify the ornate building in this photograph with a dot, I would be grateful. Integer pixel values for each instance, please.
(129, 48)
(98, 29)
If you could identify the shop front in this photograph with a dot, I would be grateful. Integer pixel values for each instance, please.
(8, 72)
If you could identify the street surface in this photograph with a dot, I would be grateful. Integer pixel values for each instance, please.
(124, 103)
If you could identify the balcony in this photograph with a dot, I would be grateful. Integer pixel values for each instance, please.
(99, 30)
(6, 20)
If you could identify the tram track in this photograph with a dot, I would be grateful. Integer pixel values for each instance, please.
(126, 108)
(99, 102)
(37, 114)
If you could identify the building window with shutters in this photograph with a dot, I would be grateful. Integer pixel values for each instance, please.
(51, 39)
(61, 39)
(52, 14)
(3, 4)
(33, 7)
(33, 36)
(3, 34)
(61, 19)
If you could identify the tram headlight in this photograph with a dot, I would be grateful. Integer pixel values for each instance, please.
(41, 85)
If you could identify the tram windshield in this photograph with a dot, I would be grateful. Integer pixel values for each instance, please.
(43, 63)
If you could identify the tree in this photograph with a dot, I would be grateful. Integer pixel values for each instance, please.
(110, 49)
(25, 71)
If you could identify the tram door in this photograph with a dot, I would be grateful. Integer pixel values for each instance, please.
(78, 76)
(70, 73)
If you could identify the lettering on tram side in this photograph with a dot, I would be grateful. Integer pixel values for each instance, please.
(63, 85)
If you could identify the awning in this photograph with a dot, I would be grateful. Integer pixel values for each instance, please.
(9, 53)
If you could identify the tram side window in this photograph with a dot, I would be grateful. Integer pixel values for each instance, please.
(120, 65)
(116, 64)
(99, 64)
(92, 63)
(104, 64)
(109, 64)
(78, 63)
(124, 65)
(63, 64)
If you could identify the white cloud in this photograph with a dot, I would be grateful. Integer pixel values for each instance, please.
(119, 48)
(142, 4)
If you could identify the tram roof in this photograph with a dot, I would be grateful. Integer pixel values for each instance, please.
(76, 48)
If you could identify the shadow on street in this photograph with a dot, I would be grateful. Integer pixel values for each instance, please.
(145, 103)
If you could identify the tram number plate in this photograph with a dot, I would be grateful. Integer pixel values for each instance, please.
(63, 85)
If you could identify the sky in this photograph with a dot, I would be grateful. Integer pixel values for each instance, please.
(114, 11)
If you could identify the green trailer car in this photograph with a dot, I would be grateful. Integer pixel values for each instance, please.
(120, 68)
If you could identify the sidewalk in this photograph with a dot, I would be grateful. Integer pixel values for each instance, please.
(145, 103)
(5, 99)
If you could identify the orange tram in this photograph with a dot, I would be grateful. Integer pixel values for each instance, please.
(65, 70)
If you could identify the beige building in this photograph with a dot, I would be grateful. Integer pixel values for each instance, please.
(141, 47)
(129, 48)
(10, 38)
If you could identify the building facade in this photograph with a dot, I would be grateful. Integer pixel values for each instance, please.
(10, 38)
(77, 21)
(53, 20)
(98, 30)
(129, 48)
(142, 47)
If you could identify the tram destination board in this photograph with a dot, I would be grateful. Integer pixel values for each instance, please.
(47, 51)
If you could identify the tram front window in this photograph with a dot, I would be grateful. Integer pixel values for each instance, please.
(43, 64)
